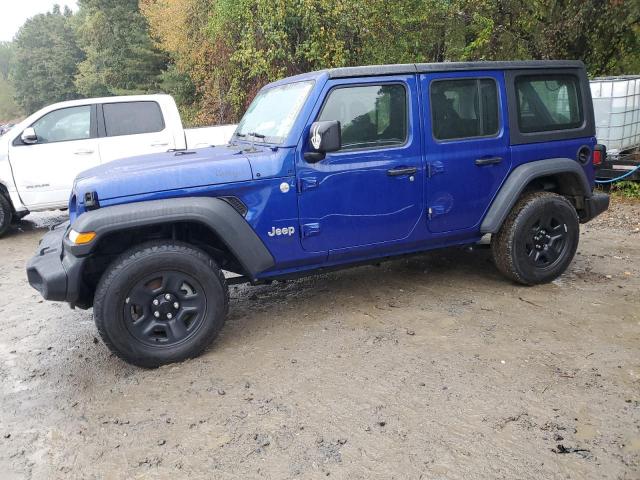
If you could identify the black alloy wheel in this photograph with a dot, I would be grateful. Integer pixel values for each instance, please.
(165, 309)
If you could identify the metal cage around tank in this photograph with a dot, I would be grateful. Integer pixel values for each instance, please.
(616, 104)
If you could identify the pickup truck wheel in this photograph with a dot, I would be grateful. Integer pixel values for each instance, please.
(538, 239)
(159, 303)
(6, 214)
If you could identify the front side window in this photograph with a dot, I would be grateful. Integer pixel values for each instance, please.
(270, 116)
(464, 108)
(372, 116)
(64, 125)
(548, 102)
(132, 118)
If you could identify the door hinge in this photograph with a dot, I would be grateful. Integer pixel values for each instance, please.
(310, 229)
(434, 168)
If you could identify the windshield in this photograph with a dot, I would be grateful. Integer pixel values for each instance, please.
(272, 113)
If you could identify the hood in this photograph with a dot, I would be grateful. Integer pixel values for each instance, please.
(165, 171)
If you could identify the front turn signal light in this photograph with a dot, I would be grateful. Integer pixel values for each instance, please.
(81, 238)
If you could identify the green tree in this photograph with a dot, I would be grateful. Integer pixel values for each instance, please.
(9, 110)
(227, 49)
(45, 59)
(6, 54)
(602, 33)
(120, 56)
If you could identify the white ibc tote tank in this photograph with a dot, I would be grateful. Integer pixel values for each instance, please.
(616, 105)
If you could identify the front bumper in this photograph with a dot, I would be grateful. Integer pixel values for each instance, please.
(54, 273)
(594, 206)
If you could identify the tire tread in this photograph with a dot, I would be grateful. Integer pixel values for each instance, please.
(502, 243)
(5, 206)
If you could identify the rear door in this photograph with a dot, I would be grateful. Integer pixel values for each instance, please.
(44, 172)
(467, 146)
(369, 192)
(127, 129)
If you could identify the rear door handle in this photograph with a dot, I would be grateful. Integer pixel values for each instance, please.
(488, 161)
(83, 152)
(397, 172)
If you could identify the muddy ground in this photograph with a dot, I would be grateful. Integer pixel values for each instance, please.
(434, 367)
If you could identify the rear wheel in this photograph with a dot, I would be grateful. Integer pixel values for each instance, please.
(538, 239)
(160, 303)
(6, 214)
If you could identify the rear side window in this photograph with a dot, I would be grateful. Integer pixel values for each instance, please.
(548, 102)
(131, 118)
(464, 108)
(371, 116)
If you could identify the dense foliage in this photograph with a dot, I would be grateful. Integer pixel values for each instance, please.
(213, 55)
(119, 55)
(229, 48)
(9, 109)
(45, 60)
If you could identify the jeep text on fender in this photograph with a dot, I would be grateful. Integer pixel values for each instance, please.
(325, 170)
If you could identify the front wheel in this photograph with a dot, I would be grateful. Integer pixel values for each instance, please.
(6, 214)
(160, 303)
(538, 239)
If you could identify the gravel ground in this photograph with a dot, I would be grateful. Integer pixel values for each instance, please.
(433, 367)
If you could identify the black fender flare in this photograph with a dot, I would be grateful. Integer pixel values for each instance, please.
(214, 213)
(518, 180)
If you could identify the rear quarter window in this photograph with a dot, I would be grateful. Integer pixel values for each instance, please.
(132, 118)
(548, 102)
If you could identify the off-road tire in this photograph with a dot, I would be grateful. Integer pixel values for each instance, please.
(113, 313)
(515, 246)
(6, 214)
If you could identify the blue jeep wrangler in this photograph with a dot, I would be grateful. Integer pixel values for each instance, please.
(325, 170)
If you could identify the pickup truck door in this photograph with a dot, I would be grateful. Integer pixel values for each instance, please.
(44, 171)
(467, 146)
(371, 191)
(127, 129)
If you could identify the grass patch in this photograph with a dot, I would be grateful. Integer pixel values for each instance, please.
(626, 189)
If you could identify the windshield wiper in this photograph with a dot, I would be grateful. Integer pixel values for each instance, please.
(257, 135)
(241, 135)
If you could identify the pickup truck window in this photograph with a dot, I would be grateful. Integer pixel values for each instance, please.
(370, 116)
(64, 125)
(464, 108)
(548, 102)
(271, 114)
(132, 118)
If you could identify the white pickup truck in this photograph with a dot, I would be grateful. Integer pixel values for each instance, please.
(41, 156)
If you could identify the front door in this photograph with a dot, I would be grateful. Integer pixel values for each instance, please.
(44, 172)
(466, 145)
(369, 192)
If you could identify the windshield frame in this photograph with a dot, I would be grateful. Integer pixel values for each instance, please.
(273, 140)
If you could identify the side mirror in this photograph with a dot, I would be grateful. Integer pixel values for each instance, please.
(323, 137)
(29, 136)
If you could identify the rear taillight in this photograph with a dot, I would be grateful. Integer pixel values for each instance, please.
(597, 158)
(599, 155)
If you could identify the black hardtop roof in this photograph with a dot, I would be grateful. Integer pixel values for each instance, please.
(409, 68)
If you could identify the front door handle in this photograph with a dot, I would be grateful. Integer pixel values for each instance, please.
(83, 152)
(397, 172)
(488, 161)
(159, 144)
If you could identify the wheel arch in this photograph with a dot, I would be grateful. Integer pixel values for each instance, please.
(211, 224)
(560, 175)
